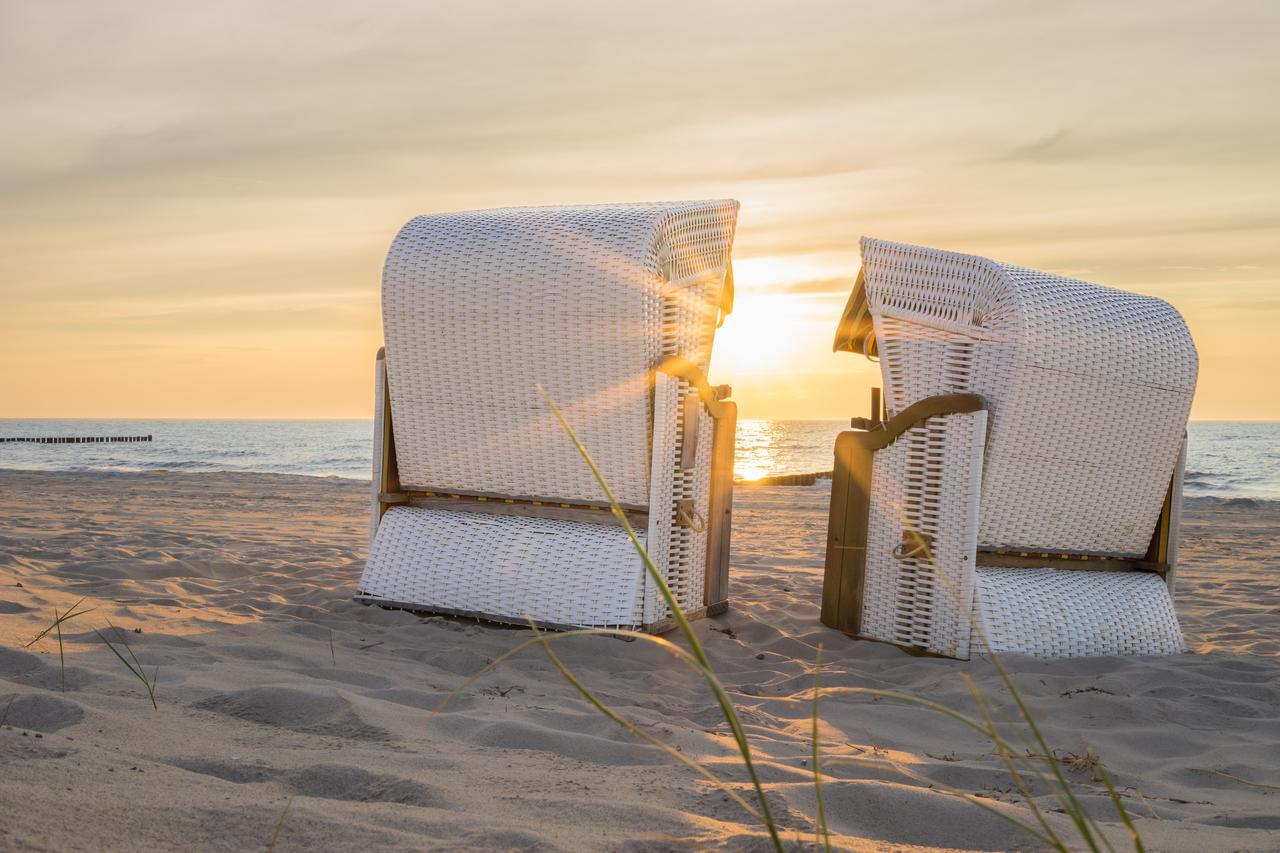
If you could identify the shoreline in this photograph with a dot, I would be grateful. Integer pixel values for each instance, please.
(820, 478)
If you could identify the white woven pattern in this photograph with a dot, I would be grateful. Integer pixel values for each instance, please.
(1051, 613)
(696, 484)
(684, 546)
(506, 568)
(1088, 387)
(666, 447)
(480, 308)
(927, 481)
(1089, 390)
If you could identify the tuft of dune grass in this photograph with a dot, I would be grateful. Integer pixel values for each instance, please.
(132, 663)
(56, 627)
(1021, 764)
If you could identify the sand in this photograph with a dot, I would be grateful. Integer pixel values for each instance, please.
(275, 689)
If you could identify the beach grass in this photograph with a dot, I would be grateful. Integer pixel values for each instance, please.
(727, 708)
(821, 832)
(1022, 765)
(275, 832)
(132, 663)
(56, 627)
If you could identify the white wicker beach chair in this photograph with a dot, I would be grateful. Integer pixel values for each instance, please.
(482, 506)
(1020, 489)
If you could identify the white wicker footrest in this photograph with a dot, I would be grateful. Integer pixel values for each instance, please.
(505, 568)
(1057, 613)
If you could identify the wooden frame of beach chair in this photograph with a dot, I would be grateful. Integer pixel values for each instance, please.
(923, 549)
(678, 255)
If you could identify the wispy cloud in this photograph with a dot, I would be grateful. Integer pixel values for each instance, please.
(159, 157)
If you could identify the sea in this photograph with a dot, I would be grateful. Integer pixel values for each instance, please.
(1225, 459)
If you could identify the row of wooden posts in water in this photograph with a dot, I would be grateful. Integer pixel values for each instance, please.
(74, 439)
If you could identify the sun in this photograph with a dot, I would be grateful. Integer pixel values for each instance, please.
(755, 337)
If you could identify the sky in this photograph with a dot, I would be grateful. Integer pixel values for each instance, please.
(196, 198)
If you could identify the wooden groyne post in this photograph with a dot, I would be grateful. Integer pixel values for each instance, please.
(74, 439)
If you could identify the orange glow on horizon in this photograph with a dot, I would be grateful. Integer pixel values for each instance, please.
(197, 228)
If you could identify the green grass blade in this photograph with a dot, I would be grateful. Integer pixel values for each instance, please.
(545, 638)
(67, 616)
(1085, 824)
(1028, 828)
(275, 833)
(636, 730)
(722, 696)
(1138, 846)
(116, 652)
(1009, 761)
(821, 833)
(621, 633)
(124, 640)
(62, 658)
(1079, 815)
(138, 671)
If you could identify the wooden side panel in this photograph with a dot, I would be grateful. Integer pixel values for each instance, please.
(845, 574)
(509, 507)
(1173, 508)
(390, 471)
(720, 511)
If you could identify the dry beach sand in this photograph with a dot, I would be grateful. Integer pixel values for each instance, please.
(275, 688)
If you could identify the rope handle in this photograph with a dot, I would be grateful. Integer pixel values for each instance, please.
(914, 546)
(688, 515)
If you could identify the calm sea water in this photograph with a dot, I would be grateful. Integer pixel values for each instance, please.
(1225, 459)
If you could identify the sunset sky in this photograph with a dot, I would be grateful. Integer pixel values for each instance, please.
(195, 198)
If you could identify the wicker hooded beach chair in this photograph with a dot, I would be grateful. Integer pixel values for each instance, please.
(482, 505)
(1020, 486)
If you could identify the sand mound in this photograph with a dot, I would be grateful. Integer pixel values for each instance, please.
(307, 711)
(609, 751)
(327, 781)
(339, 782)
(40, 712)
(15, 662)
(25, 668)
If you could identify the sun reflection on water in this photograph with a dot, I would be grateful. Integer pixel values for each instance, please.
(767, 448)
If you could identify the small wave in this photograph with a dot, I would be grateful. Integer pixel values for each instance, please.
(1226, 502)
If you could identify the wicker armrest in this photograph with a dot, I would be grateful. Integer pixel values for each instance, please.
(712, 396)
